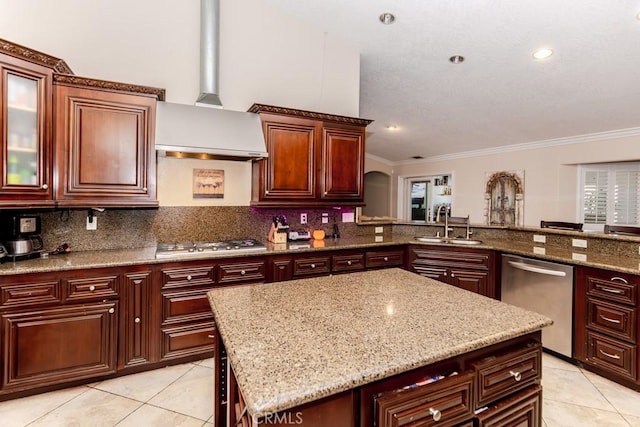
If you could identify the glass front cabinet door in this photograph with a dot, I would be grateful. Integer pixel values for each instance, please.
(26, 140)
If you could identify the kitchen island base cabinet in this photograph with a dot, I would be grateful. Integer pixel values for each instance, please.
(494, 386)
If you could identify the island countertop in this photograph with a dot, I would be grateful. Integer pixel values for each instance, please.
(294, 342)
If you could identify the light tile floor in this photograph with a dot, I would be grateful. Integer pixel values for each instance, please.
(182, 396)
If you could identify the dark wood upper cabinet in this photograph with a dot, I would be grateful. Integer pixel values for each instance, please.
(105, 154)
(315, 159)
(70, 141)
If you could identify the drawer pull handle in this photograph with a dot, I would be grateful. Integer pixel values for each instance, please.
(436, 414)
(112, 310)
(612, 291)
(612, 356)
(516, 375)
(619, 279)
(608, 319)
(189, 277)
(242, 272)
(92, 288)
(313, 266)
(211, 336)
(386, 259)
(136, 320)
(349, 262)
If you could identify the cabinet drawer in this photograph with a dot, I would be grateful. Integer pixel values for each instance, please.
(187, 340)
(241, 272)
(351, 262)
(612, 286)
(92, 288)
(444, 402)
(311, 266)
(523, 409)
(21, 294)
(615, 356)
(192, 276)
(384, 259)
(612, 319)
(452, 257)
(183, 306)
(500, 376)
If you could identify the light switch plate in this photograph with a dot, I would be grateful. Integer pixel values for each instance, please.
(303, 218)
(93, 225)
(379, 238)
(348, 217)
(379, 230)
(325, 218)
(579, 243)
(539, 238)
(538, 250)
(578, 257)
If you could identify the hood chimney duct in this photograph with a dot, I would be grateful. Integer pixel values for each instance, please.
(209, 54)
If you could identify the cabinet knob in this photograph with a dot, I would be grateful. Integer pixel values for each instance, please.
(45, 186)
(136, 320)
(444, 274)
(349, 262)
(189, 277)
(242, 272)
(516, 375)
(266, 191)
(112, 310)
(92, 288)
(313, 266)
(453, 275)
(436, 414)
(386, 259)
(144, 189)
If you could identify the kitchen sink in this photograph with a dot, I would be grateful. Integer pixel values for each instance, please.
(431, 239)
(465, 241)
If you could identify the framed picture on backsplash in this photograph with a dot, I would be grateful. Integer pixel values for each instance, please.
(208, 183)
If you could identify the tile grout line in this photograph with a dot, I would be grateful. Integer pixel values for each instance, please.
(86, 389)
(605, 397)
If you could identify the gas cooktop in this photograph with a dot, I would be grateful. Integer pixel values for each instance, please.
(187, 249)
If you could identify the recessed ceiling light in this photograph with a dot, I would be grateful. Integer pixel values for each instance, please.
(542, 53)
(392, 128)
(417, 157)
(456, 59)
(387, 18)
(638, 16)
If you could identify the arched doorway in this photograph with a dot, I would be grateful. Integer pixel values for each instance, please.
(377, 194)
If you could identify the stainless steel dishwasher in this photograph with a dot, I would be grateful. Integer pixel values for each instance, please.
(546, 288)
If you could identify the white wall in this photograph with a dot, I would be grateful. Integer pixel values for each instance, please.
(550, 178)
(265, 57)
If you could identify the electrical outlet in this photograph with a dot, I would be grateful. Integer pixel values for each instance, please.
(578, 243)
(325, 218)
(379, 230)
(539, 238)
(638, 250)
(303, 218)
(578, 257)
(539, 250)
(379, 238)
(93, 225)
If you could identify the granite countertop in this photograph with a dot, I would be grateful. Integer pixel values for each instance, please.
(298, 341)
(146, 255)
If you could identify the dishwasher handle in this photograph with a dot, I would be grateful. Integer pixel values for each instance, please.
(535, 269)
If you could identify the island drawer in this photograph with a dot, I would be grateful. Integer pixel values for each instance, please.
(506, 373)
(444, 402)
(188, 276)
(613, 319)
(523, 409)
(241, 272)
(387, 258)
(612, 286)
(614, 355)
(310, 266)
(348, 262)
(92, 288)
(452, 257)
(188, 340)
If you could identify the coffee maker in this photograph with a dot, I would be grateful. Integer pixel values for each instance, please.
(21, 236)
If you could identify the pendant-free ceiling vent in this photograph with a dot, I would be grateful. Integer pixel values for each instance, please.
(206, 130)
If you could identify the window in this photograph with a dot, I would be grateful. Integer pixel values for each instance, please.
(423, 195)
(610, 195)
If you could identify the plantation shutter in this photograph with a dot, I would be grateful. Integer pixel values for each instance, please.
(626, 203)
(595, 196)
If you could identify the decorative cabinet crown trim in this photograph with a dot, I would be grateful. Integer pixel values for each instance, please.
(108, 85)
(22, 52)
(261, 108)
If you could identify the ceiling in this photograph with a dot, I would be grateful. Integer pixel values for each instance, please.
(499, 95)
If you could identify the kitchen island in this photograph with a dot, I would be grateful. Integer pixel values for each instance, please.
(386, 344)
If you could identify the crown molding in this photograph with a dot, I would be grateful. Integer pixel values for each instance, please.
(569, 140)
(379, 159)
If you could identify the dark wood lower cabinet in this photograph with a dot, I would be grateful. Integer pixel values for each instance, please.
(135, 326)
(524, 409)
(56, 345)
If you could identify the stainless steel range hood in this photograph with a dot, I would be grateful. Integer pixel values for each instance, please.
(206, 130)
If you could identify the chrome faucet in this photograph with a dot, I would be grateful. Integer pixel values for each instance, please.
(468, 234)
(446, 219)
